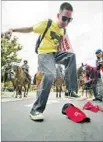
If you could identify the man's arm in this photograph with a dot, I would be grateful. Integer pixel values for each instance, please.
(37, 28)
(23, 30)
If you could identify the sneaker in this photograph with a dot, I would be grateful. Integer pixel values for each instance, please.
(37, 116)
(97, 99)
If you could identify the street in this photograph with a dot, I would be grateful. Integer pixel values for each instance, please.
(17, 125)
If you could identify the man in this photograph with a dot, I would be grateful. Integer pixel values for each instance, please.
(49, 55)
(99, 62)
(25, 67)
(7, 69)
(92, 81)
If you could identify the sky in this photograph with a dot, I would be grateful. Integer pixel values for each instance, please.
(85, 31)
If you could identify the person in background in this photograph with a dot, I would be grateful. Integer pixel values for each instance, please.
(93, 76)
(99, 66)
(25, 68)
(99, 62)
(7, 69)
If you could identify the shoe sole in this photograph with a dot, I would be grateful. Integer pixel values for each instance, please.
(38, 117)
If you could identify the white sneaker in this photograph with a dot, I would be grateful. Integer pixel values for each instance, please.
(37, 116)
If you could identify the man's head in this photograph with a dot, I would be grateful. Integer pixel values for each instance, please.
(99, 53)
(65, 14)
(8, 61)
(25, 61)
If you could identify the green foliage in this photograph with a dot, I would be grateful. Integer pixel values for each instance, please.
(8, 84)
(9, 48)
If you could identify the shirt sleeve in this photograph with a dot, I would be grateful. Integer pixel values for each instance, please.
(40, 27)
(27, 66)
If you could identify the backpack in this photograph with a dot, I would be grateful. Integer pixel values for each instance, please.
(40, 38)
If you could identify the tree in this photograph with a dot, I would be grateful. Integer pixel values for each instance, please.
(9, 48)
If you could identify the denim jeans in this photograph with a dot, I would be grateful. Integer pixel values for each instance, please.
(47, 64)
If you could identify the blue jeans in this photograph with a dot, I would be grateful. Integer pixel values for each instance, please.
(47, 65)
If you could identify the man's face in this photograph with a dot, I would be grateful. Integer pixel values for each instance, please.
(8, 62)
(64, 18)
(100, 54)
(25, 62)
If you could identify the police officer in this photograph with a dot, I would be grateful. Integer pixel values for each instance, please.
(7, 68)
(25, 68)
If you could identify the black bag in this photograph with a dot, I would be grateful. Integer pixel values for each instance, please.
(40, 38)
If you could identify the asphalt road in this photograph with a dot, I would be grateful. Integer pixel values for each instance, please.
(17, 125)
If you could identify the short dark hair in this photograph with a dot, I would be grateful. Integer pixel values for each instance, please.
(66, 6)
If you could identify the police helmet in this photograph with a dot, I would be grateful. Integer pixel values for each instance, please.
(25, 61)
(8, 60)
(98, 51)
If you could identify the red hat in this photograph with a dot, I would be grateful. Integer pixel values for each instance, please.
(91, 107)
(74, 113)
(100, 108)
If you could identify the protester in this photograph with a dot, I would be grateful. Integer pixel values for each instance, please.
(51, 51)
